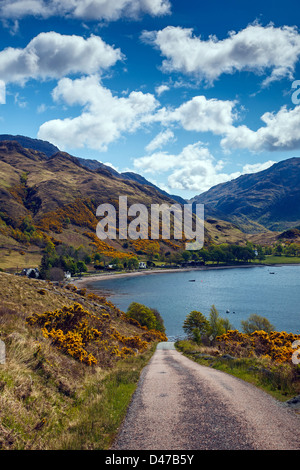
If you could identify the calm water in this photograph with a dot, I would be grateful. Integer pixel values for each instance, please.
(242, 291)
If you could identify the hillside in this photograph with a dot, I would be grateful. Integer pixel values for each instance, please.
(269, 199)
(35, 144)
(50, 203)
(49, 150)
(56, 198)
(65, 350)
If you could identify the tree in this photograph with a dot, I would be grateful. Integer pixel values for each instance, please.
(260, 253)
(217, 325)
(56, 274)
(159, 320)
(256, 323)
(204, 255)
(144, 315)
(81, 267)
(195, 325)
(97, 257)
(132, 263)
(278, 250)
(87, 259)
(186, 255)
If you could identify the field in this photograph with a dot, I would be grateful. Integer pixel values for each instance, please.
(271, 259)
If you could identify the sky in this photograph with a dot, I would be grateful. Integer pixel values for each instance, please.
(189, 94)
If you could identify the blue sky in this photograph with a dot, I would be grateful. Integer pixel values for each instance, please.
(187, 93)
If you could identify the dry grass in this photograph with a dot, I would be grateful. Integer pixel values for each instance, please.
(281, 380)
(18, 258)
(46, 396)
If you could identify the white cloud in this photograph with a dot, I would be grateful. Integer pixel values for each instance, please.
(104, 118)
(160, 140)
(161, 89)
(201, 115)
(193, 169)
(20, 101)
(268, 50)
(52, 55)
(108, 10)
(256, 167)
(281, 132)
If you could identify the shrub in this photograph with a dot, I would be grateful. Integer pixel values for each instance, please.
(42, 291)
(256, 323)
(145, 316)
(195, 325)
(217, 325)
(87, 337)
(276, 346)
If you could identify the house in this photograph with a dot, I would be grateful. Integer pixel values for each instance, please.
(142, 265)
(31, 272)
(112, 266)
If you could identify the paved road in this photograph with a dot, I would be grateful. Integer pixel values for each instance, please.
(180, 405)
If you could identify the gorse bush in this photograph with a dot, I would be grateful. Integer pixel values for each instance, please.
(276, 346)
(90, 338)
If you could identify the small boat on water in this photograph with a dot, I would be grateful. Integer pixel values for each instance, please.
(192, 280)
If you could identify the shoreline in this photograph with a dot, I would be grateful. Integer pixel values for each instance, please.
(84, 282)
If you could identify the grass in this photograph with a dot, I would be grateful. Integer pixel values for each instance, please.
(272, 259)
(276, 379)
(49, 400)
(103, 407)
(17, 260)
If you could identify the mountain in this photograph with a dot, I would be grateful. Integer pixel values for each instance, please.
(267, 200)
(34, 144)
(54, 199)
(140, 179)
(28, 175)
(49, 150)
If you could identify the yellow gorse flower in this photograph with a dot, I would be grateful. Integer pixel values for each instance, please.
(275, 345)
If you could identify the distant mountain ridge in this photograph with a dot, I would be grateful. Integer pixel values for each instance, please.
(36, 144)
(53, 200)
(94, 165)
(269, 199)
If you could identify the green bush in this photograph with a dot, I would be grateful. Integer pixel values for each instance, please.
(146, 316)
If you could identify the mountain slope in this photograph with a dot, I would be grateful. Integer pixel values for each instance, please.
(35, 144)
(269, 199)
(55, 199)
(49, 150)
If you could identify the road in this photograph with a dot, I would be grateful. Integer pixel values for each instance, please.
(181, 405)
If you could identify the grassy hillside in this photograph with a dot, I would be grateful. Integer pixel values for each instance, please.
(52, 394)
(54, 200)
(49, 203)
(46, 201)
